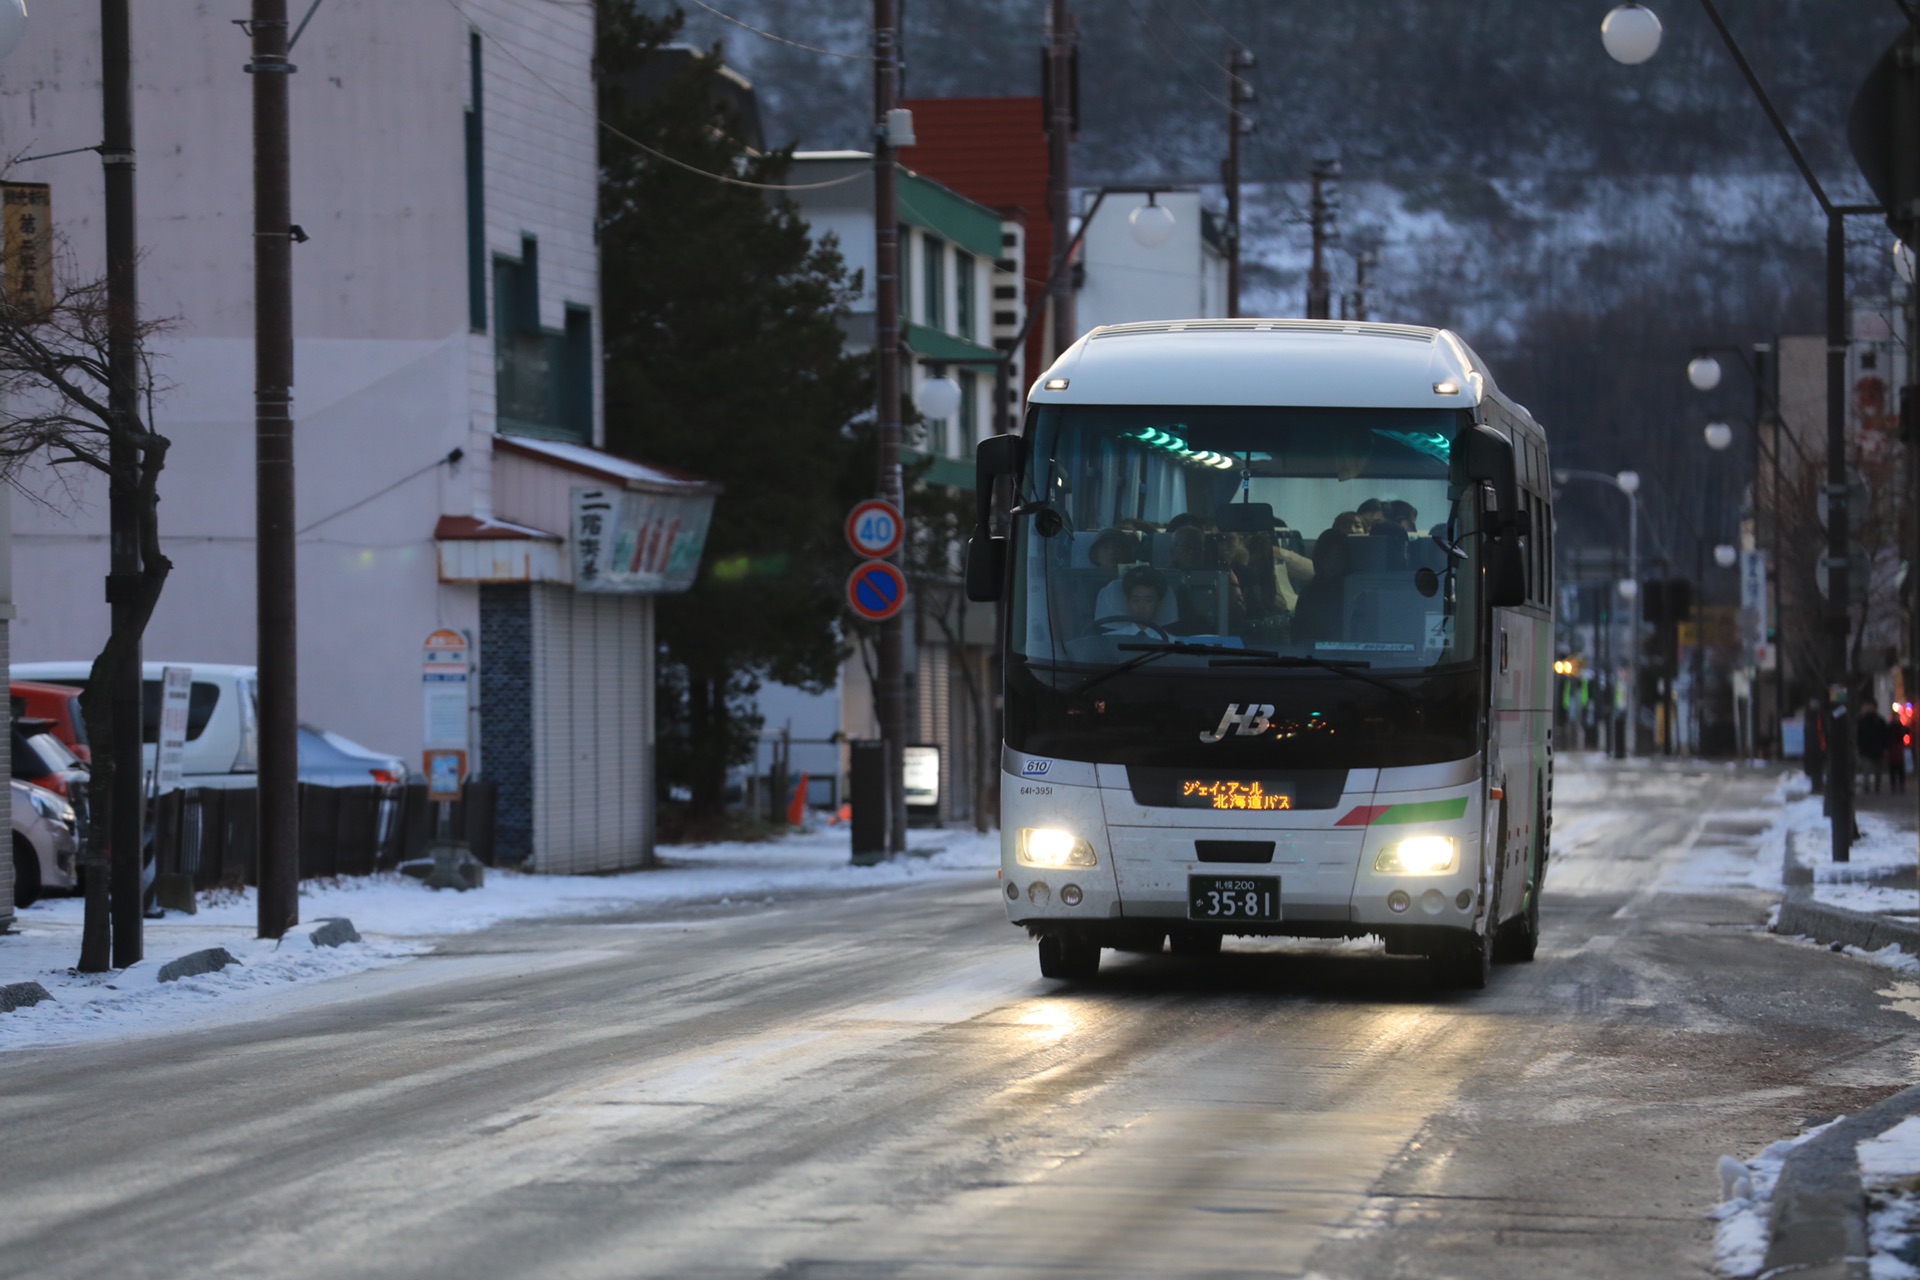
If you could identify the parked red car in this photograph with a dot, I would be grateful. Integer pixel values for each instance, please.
(59, 706)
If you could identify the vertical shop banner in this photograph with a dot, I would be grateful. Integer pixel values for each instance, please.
(26, 247)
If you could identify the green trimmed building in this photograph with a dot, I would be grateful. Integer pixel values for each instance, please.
(961, 290)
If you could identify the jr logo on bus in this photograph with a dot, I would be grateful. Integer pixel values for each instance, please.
(1256, 718)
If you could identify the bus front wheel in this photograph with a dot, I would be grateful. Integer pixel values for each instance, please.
(1067, 957)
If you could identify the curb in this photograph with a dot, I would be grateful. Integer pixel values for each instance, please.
(1817, 1223)
(1817, 1226)
(1800, 914)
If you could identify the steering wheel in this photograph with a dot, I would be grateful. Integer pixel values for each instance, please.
(1152, 630)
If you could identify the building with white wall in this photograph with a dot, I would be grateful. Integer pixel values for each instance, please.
(447, 405)
(1123, 281)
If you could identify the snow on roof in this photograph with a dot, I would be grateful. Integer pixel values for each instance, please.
(605, 466)
(475, 529)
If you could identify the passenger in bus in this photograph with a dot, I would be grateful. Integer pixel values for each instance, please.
(1203, 575)
(1371, 512)
(1318, 616)
(1113, 548)
(1146, 589)
(1402, 516)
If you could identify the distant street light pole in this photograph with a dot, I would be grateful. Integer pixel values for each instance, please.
(1627, 482)
(1629, 43)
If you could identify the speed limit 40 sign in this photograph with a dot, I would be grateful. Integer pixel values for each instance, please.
(874, 528)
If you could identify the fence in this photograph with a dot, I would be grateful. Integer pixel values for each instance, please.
(209, 834)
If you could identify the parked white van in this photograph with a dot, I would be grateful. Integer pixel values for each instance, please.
(222, 716)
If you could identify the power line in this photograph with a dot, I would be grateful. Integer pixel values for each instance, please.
(777, 39)
(632, 141)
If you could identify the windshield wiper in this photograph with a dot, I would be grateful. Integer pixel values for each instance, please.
(1355, 667)
(1144, 653)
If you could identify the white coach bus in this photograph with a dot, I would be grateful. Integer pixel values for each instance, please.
(1277, 645)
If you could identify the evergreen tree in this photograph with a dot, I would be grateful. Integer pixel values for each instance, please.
(725, 357)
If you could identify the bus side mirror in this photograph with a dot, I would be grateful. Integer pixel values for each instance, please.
(994, 457)
(1488, 456)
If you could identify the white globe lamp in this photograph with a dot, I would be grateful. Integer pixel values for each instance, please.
(1724, 556)
(1719, 435)
(1629, 588)
(937, 397)
(1152, 224)
(1629, 481)
(1903, 261)
(1631, 34)
(1703, 372)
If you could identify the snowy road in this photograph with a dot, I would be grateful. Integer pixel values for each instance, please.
(881, 1085)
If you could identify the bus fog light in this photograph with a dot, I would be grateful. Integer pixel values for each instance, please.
(1054, 847)
(1463, 899)
(1070, 895)
(1418, 856)
(1433, 902)
(1038, 893)
(1013, 891)
(1398, 900)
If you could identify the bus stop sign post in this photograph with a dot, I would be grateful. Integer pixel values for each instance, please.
(876, 590)
(874, 528)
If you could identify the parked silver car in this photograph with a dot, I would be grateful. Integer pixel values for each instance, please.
(45, 845)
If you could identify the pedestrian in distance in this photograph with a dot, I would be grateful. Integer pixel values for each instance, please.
(1870, 742)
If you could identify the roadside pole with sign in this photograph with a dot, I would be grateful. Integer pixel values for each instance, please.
(169, 774)
(876, 591)
(444, 674)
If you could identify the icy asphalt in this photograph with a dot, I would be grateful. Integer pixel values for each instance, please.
(762, 1061)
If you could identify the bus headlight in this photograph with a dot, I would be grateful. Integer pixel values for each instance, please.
(1418, 856)
(1054, 847)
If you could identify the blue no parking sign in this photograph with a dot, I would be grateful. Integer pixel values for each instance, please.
(876, 590)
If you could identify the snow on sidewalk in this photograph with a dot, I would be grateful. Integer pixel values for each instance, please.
(398, 918)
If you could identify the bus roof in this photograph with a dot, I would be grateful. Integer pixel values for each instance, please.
(1307, 363)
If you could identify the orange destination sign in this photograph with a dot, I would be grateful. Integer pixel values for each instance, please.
(1234, 795)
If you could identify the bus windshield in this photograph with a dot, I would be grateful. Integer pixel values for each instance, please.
(1320, 536)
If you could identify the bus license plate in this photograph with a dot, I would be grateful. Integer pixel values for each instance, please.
(1233, 897)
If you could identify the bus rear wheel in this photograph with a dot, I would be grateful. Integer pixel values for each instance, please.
(1067, 957)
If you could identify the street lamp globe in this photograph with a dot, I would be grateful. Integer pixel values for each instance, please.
(1629, 481)
(1903, 261)
(1152, 223)
(1719, 435)
(937, 397)
(13, 24)
(1629, 588)
(1631, 34)
(1724, 556)
(1703, 372)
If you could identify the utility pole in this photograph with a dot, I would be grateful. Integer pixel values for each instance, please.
(1363, 264)
(1060, 129)
(1239, 95)
(890, 680)
(279, 794)
(1325, 209)
(123, 463)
